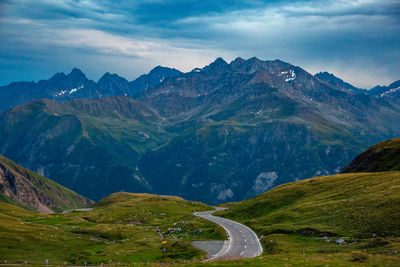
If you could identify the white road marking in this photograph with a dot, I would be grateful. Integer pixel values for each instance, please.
(237, 229)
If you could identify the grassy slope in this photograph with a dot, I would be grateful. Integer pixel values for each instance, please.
(100, 236)
(384, 156)
(66, 198)
(293, 217)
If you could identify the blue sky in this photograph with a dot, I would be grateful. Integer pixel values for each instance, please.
(358, 40)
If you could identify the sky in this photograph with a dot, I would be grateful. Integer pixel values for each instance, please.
(357, 40)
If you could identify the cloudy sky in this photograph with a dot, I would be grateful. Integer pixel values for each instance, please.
(357, 40)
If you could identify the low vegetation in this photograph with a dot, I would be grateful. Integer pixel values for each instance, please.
(339, 220)
(123, 228)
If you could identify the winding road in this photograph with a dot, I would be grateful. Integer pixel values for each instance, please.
(242, 243)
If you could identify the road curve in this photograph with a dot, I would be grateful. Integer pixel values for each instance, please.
(242, 243)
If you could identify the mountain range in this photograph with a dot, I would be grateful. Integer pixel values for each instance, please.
(224, 132)
(74, 85)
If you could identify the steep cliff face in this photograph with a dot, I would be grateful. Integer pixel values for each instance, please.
(26, 188)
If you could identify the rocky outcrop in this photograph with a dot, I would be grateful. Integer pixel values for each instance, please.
(23, 187)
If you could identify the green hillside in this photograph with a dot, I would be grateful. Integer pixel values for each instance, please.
(88, 145)
(301, 222)
(122, 228)
(384, 156)
(28, 189)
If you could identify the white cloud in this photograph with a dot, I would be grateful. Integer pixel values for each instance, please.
(169, 52)
(355, 39)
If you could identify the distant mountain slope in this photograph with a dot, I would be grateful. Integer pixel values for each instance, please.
(113, 85)
(89, 145)
(154, 77)
(26, 188)
(389, 92)
(384, 156)
(75, 85)
(337, 82)
(251, 124)
(59, 87)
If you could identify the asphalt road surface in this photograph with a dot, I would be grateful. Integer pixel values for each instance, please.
(242, 243)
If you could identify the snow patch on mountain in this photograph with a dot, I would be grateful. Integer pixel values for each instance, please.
(290, 75)
(61, 93)
(390, 91)
(73, 90)
(197, 70)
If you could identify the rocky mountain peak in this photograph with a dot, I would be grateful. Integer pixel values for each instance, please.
(163, 71)
(219, 61)
(110, 77)
(253, 65)
(77, 74)
(335, 81)
(218, 64)
(238, 60)
(156, 76)
(158, 69)
(58, 76)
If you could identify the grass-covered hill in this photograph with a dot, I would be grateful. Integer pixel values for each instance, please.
(123, 228)
(335, 220)
(384, 156)
(28, 189)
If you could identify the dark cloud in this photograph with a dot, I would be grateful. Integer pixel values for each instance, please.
(358, 39)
